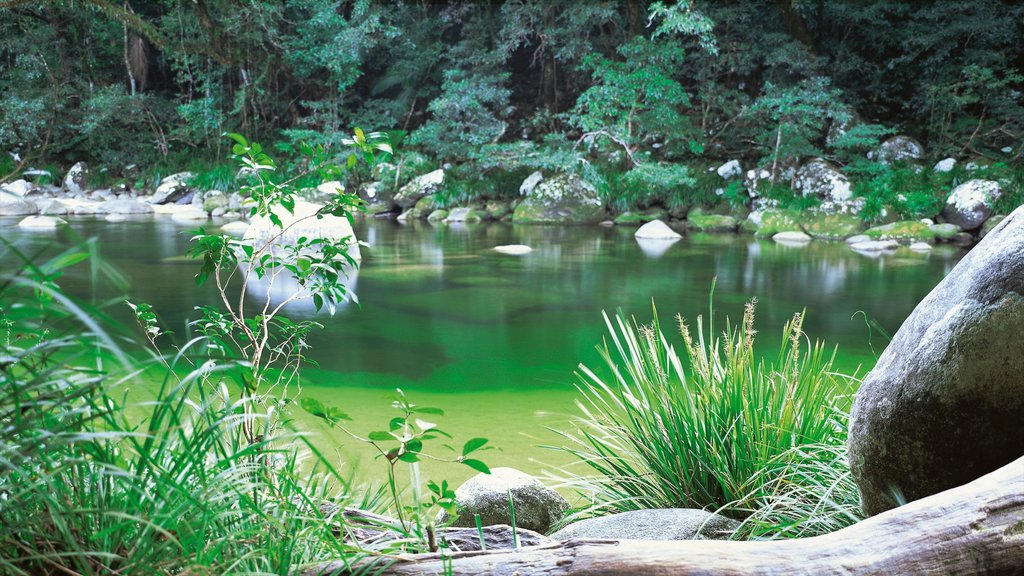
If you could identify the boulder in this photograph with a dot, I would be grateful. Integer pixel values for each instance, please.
(858, 239)
(830, 226)
(791, 238)
(921, 247)
(771, 221)
(660, 524)
(301, 222)
(13, 205)
(52, 207)
(990, 225)
(419, 187)
(42, 223)
(498, 209)
(701, 221)
(237, 228)
(656, 230)
(437, 215)
(944, 231)
(189, 214)
(904, 230)
(820, 178)
(77, 178)
(537, 507)
(970, 204)
(563, 199)
(875, 245)
(531, 181)
(213, 200)
(730, 169)
(945, 402)
(378, 197)
(423, 208)
(172, 188)
(945, 165)
(124, 207)
(464, 215)
(20, 188)
(896, 149)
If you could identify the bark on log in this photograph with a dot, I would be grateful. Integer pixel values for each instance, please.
(977, 528)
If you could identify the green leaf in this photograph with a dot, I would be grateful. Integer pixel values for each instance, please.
(411, 457)
(473, 444)
(380, 436)
(477, 465)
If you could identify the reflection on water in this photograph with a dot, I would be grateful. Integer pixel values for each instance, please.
(442, 314)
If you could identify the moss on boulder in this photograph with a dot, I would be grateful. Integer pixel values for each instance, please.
(823, 226)
(564, 199)
(774, 221)
(903, 231)
(701, 221)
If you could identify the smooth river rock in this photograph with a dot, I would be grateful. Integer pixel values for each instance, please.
(661, 524)
(537, 507)
(656, 230)
(513, 249)
(42, 223)
(945, 403)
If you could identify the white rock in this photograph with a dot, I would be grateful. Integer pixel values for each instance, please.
(19, 188)
(875, 245)
(235, 228)
(858, 239)
(189, 214)
(172, 188)
(42, 223)
(921, 247)
(793, 237)
(945, 165)
(513, 249)
(730, 169)
(818, 177)
(1006, 149)
(656, 230)
(530, 183)
(302, 222)
(115, 217)
(76, 178)
(970, 204)
(927, 221)
(52, 207)
(898, 148)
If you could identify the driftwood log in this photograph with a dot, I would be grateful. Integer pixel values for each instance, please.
(977, 528)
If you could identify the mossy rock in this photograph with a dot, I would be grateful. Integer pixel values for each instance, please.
(822, 226)
(990, 224)
(437, 215)
(903, 231)
(701, 221)
(776, 220)
(945, 232)
(638, 218)
(563, 199)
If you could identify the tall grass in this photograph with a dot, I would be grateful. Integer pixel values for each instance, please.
(89, 485)
(719, 428)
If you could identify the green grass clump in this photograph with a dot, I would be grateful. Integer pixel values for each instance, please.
(718, 428)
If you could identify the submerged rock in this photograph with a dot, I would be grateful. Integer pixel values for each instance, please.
(659, 524)
(944, 404)
(513, 249)
(907, 230)
(875, 246)
(791, 238)
(563, 199)
(42, 223)
(537, 507)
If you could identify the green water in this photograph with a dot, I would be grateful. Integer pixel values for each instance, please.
(494, 339)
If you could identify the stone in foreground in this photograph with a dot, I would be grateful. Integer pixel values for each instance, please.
(537, 507)
(656, 230)
(661, 524)
(945, 403)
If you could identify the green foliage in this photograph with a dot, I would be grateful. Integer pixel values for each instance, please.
(905, 192)
(468, 114)
(702, 430)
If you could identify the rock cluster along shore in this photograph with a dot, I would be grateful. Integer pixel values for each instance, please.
(567, 198)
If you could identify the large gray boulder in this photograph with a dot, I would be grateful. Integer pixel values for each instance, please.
(562, 199)
(172, 188)
(819, 177)
(662, 524)
(970, 204)
(19, 187)
(537, 507)
(945, 403)
(14, 205)
(77, 178)
(419, 187)
(896, 149)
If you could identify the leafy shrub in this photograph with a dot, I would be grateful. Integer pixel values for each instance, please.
(907, 191)
(705, 430)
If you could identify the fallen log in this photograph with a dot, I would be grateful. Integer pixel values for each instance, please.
(977, 528)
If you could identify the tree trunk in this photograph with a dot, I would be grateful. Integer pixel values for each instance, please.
(977, 528)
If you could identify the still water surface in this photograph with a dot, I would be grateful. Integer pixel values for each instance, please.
(494, 339)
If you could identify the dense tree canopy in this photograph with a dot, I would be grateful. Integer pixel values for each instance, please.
(518, 81)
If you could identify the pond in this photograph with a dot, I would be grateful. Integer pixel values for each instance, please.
(494, 339)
